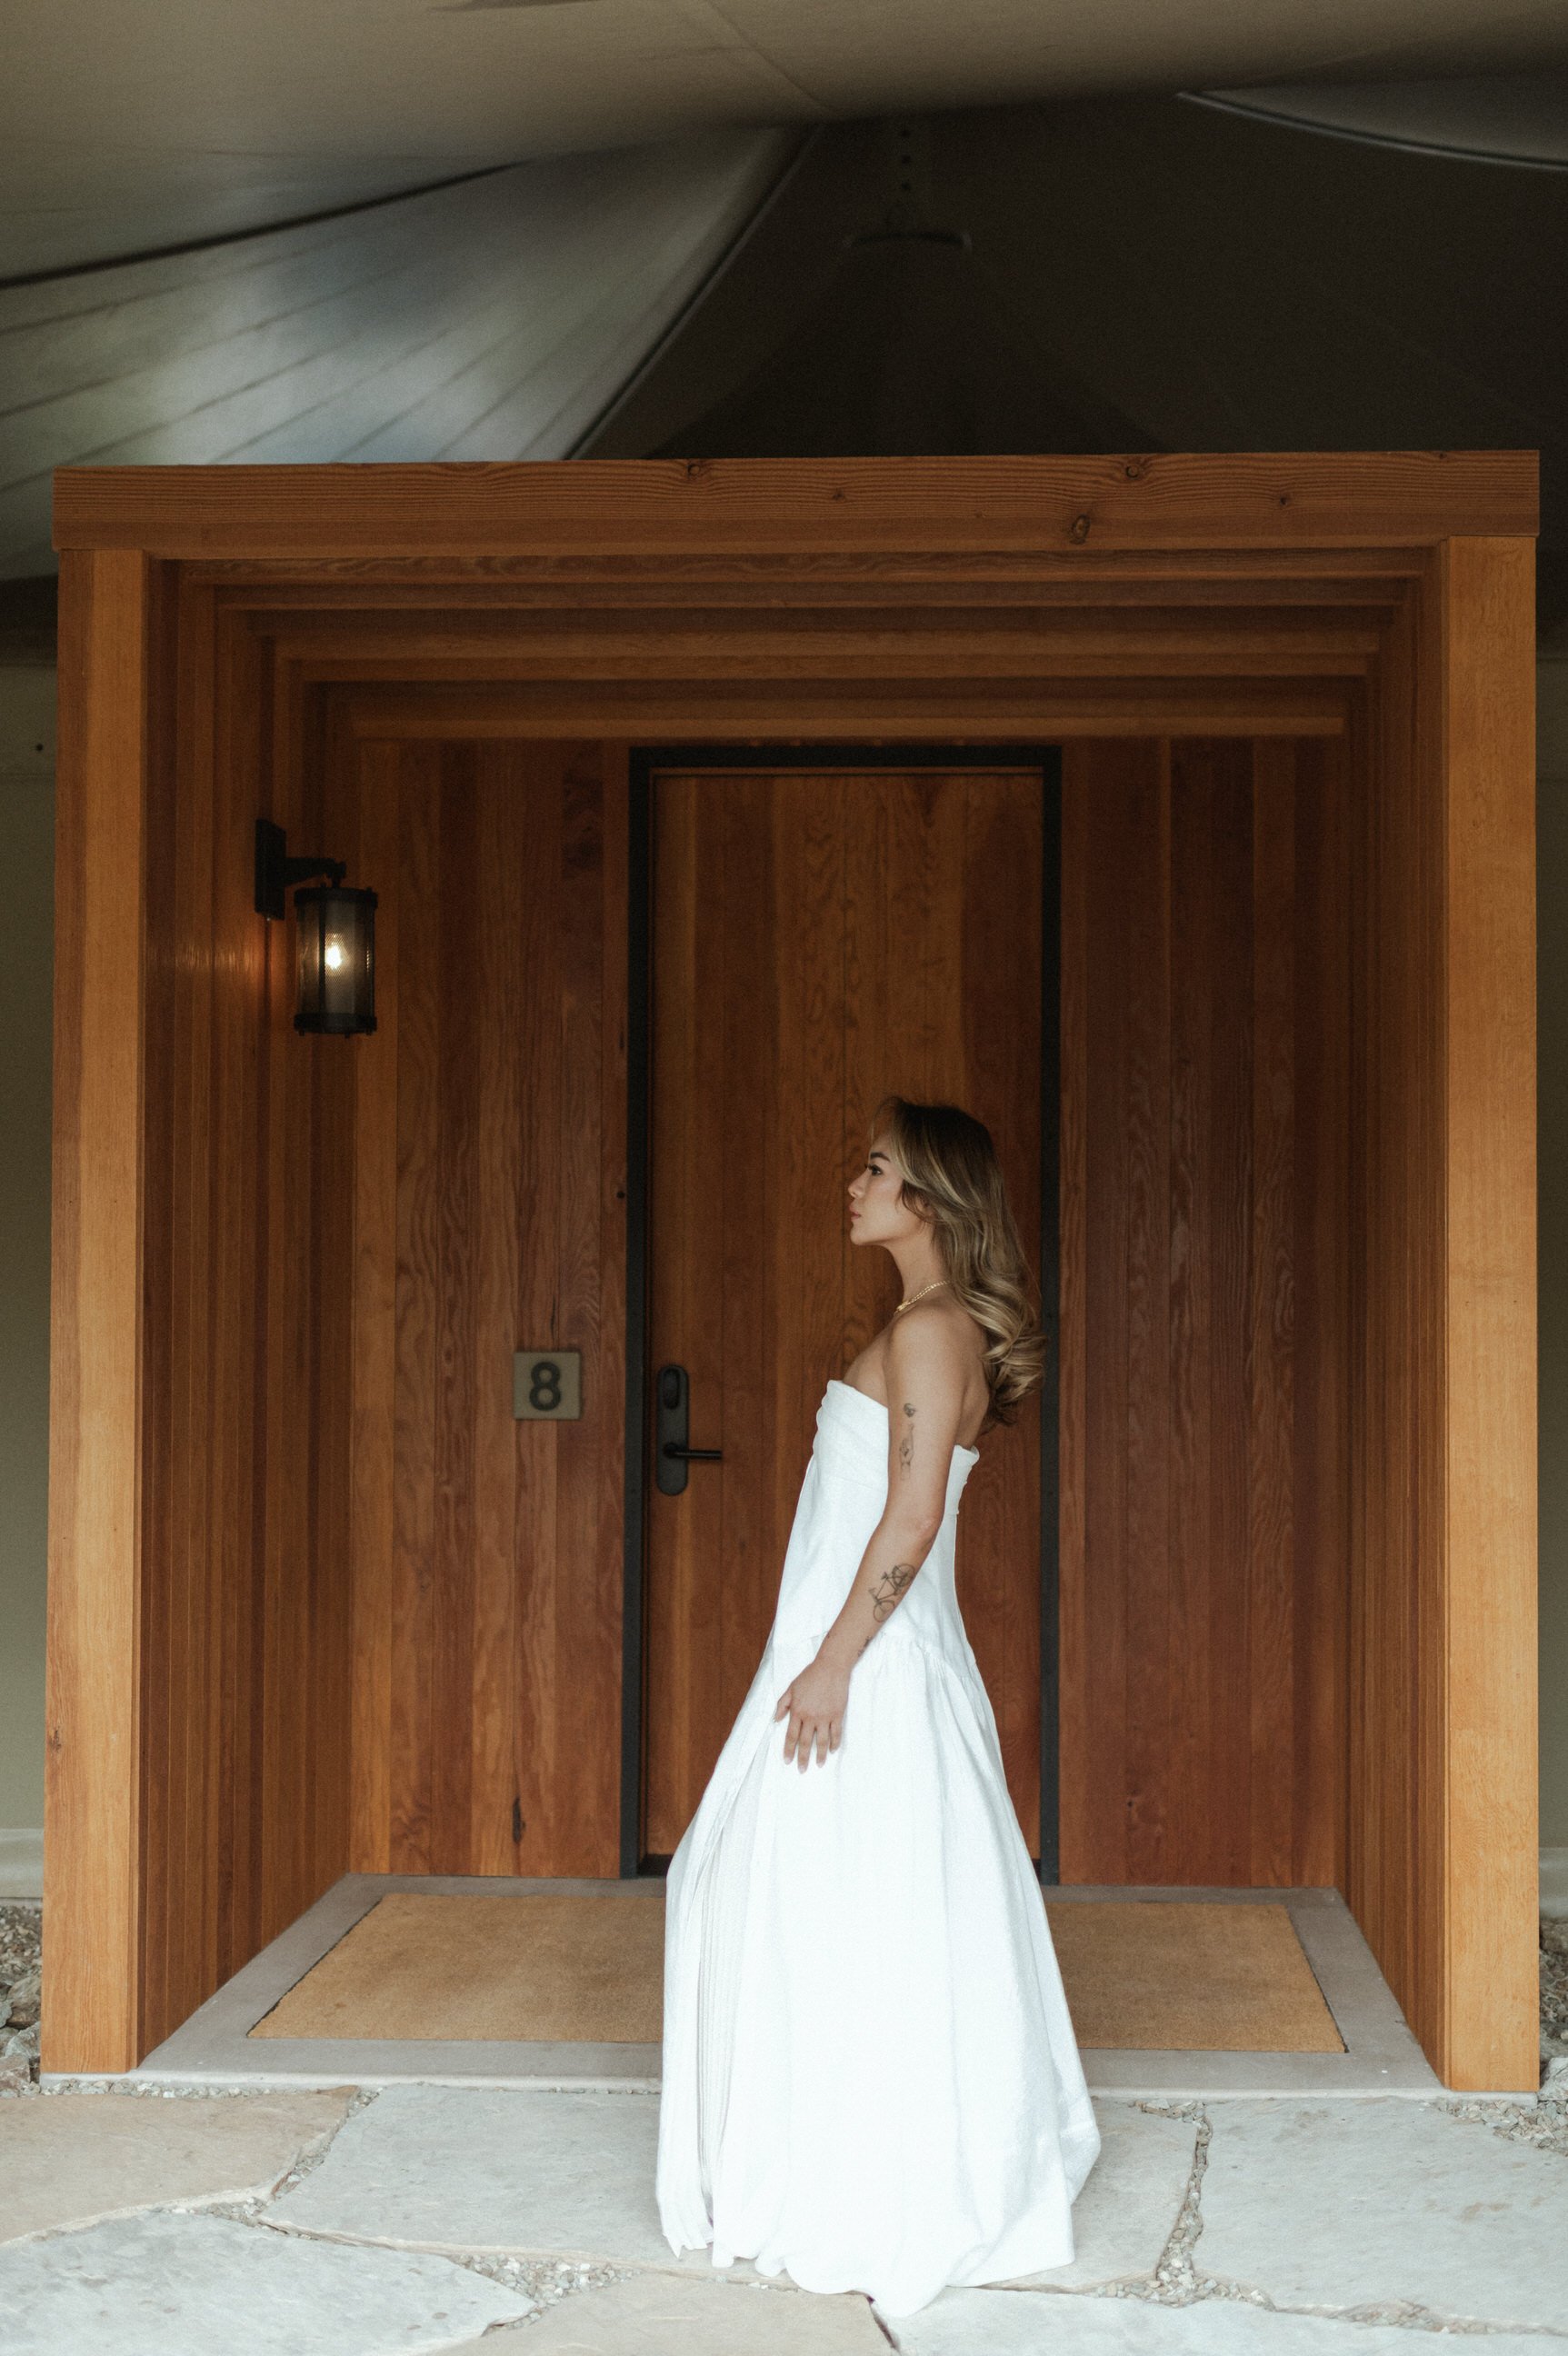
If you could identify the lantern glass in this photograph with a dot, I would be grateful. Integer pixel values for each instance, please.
(334, 936)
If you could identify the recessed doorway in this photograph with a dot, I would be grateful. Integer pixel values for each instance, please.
(814, 927)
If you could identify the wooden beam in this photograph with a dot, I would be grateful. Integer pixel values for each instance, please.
(980, 578)
(1485, 747)
(93, 1892)
(846, 711)
(1310, 499)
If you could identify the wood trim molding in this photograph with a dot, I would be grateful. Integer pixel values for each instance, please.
(845, 713)
(882, 506)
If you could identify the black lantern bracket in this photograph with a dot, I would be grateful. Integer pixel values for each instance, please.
(277, 873)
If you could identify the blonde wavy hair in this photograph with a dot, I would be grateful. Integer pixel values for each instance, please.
(953, 1178)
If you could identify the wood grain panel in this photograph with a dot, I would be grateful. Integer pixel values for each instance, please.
(374, 772)
(334, 584)
(1396, 1769)
(1208, 500)
(1205, 1010)
(849, 710)
(1002, 936)
(238, 1635)
(1490, 1690)
(1322, 1277)
(866, 641)
(248, 1339)
(1442, 1829)
(843, 934)
(491, 1219)
(94, 1876)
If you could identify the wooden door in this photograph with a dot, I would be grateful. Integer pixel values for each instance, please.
(819, 937)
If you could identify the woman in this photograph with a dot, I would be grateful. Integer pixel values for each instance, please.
(870, 2075)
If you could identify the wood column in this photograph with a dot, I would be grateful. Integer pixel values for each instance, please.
(1486, 754)
(111, 608)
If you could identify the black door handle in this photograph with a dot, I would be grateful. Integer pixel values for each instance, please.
(671, 1396)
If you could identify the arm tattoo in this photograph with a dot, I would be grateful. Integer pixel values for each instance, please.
(907, 1445)
(889, 1589)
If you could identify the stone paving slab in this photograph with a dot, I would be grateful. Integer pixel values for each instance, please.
(1131, 2201)
(659, 2315)
(166, 2284)
(73, 2157)
(520, 2168)
(1042, 2323)
(1396, 2202)
(571, 2173)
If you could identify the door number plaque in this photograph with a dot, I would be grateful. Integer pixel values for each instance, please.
(548, 1385)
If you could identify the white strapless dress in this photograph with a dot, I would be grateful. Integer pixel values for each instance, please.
(870, 2077)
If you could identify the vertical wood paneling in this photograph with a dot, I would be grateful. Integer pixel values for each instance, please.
(462, 1368)
(1201, 1631)
(1078, 1784)
(222, 1162)
(1321, 1276)
(236, 1585)
(1396, 1773)
(1194, 1505)
(831, 938)
(375, 777)
(745, 1381)
(1443, 1796)
(1109, 782)
(1273, 1637)
(1145, 1208)
(590, 1295)
(1226, 1168)
(94, 1874)
(288, 1225)
(534, 1201)
(1489, 1688)
(328, 1664)
(488, 1594)
(506, 964)
(1001, 937)
(412, 1070)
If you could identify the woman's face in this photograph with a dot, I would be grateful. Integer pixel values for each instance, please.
(875, 1214)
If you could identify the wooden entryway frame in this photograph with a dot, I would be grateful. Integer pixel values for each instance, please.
(227, 632)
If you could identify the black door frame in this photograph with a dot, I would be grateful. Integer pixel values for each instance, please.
(879, 753)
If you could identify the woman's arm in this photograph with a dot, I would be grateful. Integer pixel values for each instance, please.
(925, 1384)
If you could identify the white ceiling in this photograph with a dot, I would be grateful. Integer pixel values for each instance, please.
(1503, 118)
(497, 320)
(130, 125)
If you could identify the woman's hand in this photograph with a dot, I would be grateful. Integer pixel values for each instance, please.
(815, 1702)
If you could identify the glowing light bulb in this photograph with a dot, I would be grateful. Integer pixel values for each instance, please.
(334, 958)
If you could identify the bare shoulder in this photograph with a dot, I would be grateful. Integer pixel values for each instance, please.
(937, 1351)
(936, 1337)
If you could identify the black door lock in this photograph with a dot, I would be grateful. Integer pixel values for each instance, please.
(672, 1391)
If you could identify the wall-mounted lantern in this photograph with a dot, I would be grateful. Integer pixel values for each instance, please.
(335, 935)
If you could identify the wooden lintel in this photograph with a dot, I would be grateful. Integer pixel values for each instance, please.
(1296, 499)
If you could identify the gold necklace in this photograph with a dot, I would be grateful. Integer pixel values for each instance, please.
(921, 1295)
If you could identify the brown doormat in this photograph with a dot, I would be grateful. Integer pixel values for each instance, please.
(1175, 1974)
(572, 1969)
(1191, 1975)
